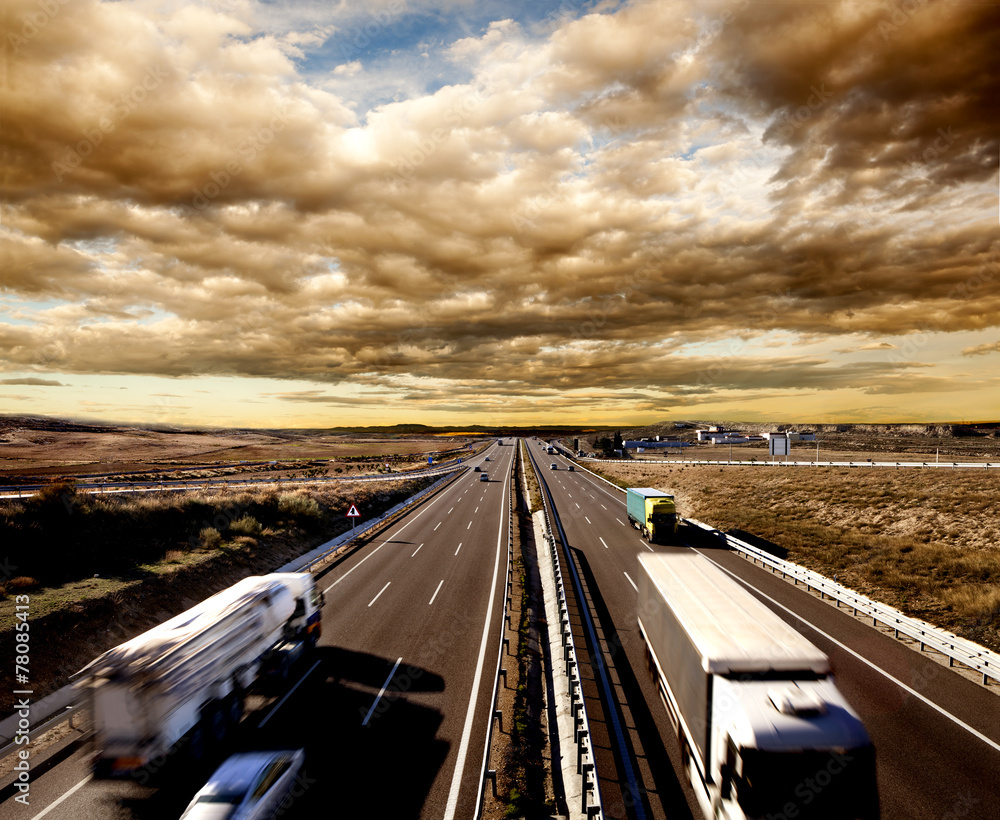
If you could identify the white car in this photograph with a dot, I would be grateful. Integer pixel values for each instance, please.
(553, 466)
(484, 477)
(248, 786)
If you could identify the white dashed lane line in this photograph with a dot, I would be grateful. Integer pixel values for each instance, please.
(602, 541)
(373, 600)
(459, 547)
(416, 551)
(632, 583)
(436, 591)
(438, 525)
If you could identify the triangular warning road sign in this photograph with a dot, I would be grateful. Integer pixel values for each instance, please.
(353, 512)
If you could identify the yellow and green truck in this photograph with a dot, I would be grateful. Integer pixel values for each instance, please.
(652, 512)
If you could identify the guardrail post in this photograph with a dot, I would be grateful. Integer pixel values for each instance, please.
(586, 769)
(491, 775)
(498, 716)
(579, 751)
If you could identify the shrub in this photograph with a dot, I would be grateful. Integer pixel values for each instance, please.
(298, 505)
(210, 537)
(21, 583)
(247, 525)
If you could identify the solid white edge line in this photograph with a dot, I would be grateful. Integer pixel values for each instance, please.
(72, 791)
(632, 582)
(463, 748)
(288, 694)
(436, 591)
(373, 600)
(865, 660)
(381, 692)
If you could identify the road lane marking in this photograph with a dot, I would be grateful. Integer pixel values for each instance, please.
(370, 554)
(449, 511)
(463, 746)
(416, 551)
(76, 788)
(861, 658)
(288, 694)
(477, 510)
(602, 541)
(603, 506)
(589, 521)
(620, 521)
(470, 526)
(381, 692)
(373, 600)
(438, 525)
(632, 583)
(646, 545)
(459, 547)
(436, 591)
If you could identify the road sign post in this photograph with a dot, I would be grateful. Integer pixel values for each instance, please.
(353, 515)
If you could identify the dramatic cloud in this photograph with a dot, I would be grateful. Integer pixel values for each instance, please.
(622, 211)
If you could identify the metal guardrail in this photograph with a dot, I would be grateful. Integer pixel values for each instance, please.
(928, 636)
(122, 487)
(585, 759)
(496, 714)
(978, 465)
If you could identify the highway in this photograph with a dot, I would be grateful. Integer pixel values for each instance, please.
(394, 707)
(937, 735)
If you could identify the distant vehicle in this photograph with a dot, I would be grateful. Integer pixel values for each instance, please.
(759, 719)
(652, 512)
(487, 458)
(187, 677)
(499, 442)
(550, 450)
(248, 786)
(477, 469)
(570, 468)
(484, 477)
(553, 466)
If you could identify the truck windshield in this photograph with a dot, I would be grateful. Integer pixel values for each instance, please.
(809, 785)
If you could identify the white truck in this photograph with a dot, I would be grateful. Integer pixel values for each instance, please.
(763, 730)
(186, 678)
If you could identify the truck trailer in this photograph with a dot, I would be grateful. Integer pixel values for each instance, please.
(763, 730)
(186, 678)
(652, 512)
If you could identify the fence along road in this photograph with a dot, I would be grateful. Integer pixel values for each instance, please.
(937, 735)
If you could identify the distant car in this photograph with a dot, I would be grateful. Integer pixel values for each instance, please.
(570, 468)
(553, 466)
(484, 477)
(248, 786)
(487, 458)
(477, 469)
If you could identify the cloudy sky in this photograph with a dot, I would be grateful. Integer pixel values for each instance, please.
(233, 212)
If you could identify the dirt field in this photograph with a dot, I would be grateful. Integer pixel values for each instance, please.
(925, 541)
(39, 449)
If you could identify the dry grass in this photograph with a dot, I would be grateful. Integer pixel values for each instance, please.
(925, 541)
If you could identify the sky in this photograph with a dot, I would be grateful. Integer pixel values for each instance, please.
(262, 214)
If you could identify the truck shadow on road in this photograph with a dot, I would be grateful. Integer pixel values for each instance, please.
(384, 767)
